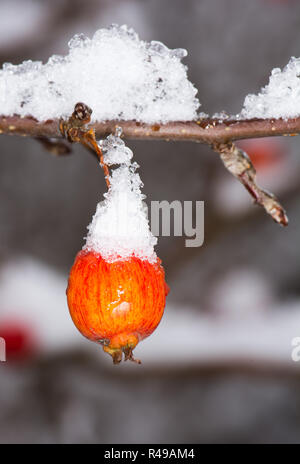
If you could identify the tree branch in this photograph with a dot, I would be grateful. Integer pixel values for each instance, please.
(240, 166)
(207, 131)
(219, 134)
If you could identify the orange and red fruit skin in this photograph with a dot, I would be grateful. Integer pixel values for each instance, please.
(116, 304)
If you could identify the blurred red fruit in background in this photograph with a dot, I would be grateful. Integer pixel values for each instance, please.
(19, 339)
(265, 153)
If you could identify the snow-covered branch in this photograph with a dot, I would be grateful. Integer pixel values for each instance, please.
(143, 88)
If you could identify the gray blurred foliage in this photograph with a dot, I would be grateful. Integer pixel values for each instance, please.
(72, 399)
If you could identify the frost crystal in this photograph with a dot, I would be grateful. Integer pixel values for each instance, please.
(118, 75)
(120, 227)
(280, 98)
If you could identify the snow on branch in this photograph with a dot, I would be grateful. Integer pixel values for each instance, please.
(115, 73)
(280, 98)
(143, 88)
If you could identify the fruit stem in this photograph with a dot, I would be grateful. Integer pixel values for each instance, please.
(74, 130)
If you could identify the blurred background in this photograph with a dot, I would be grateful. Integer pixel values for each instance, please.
(219, 367)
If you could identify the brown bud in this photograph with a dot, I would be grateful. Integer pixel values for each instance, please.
(82, 112)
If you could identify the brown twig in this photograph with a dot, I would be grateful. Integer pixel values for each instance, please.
(54, 146)
(240, 166)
